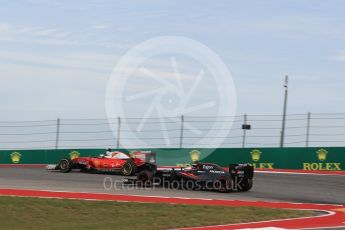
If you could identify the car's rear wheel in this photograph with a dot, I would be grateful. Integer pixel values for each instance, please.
(246, 185)
(129, 168)
(65, 165)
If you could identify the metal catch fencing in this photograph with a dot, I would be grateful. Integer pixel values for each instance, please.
(302, 130)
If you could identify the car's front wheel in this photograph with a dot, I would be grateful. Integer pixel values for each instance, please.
(65, 165)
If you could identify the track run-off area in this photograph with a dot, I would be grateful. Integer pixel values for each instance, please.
(291, 190)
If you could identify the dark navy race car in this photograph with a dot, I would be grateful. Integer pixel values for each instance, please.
(200, 176)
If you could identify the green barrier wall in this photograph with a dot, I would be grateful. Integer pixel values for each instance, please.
(331, 158)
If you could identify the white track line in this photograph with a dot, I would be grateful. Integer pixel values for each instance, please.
(329, 213)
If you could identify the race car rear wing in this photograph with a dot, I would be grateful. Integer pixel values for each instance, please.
(241, 170)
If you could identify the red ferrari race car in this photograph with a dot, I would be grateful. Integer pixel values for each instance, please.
(112, 162)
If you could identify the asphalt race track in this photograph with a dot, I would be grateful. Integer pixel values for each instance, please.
(328, 189)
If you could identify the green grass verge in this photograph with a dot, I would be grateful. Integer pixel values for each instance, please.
(36, 213)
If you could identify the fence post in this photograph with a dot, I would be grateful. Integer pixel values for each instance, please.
(118, 132)
(244, 131)
(57, 133)
(181, 131)
(308, 130)
(282, 133)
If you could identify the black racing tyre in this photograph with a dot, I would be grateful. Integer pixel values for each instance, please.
(246, 185)
(145, 178)
(129, 168)
(65, 165)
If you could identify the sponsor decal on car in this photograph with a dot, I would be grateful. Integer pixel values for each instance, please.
(207, 167)
(217, 172)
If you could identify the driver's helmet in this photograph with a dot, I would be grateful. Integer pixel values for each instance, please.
(108, 150)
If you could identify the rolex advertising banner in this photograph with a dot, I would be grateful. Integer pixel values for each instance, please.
(331, 158)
